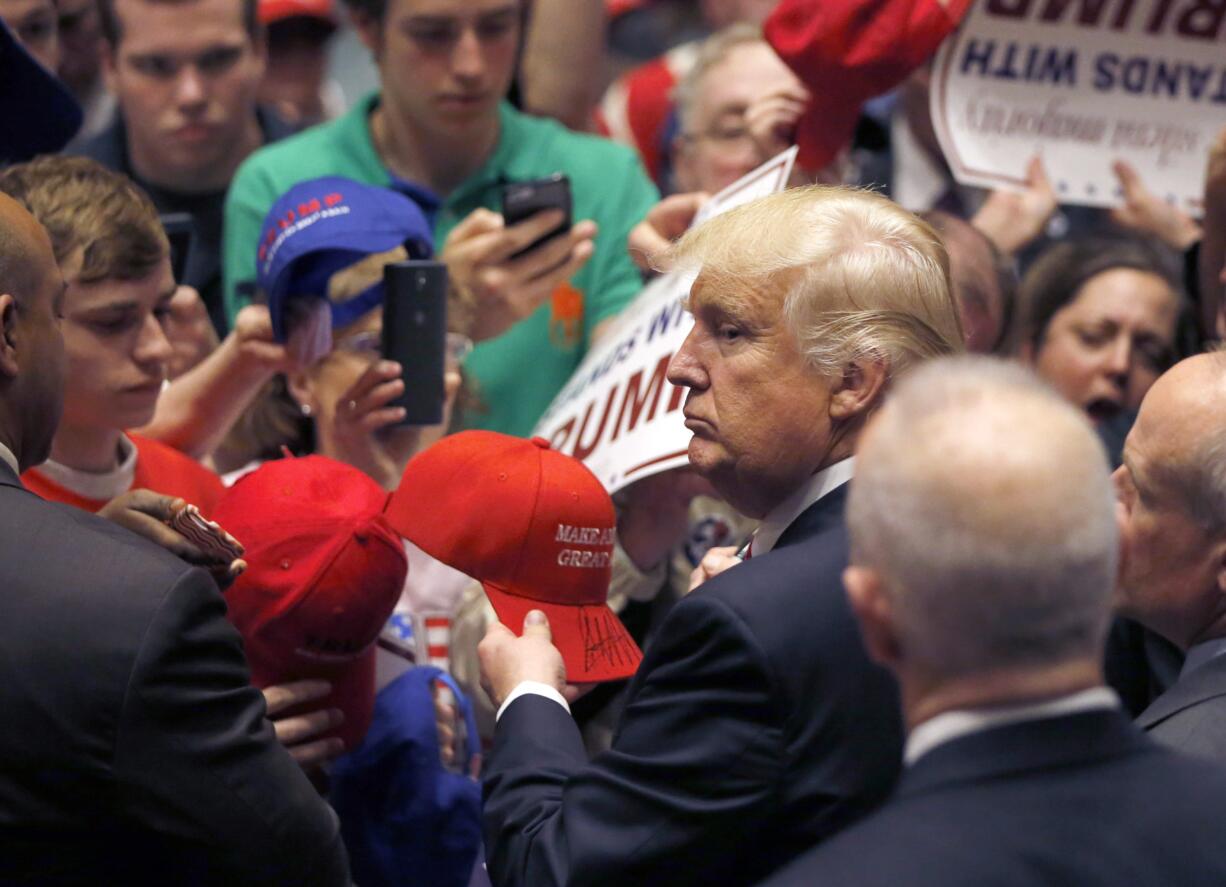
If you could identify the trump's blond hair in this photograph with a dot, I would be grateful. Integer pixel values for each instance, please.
(861, 278)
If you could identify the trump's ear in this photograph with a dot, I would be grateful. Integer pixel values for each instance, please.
(859, 390)
(866, 594)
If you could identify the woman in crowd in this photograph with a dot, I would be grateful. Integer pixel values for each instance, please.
(1100, 322)
(338, 404)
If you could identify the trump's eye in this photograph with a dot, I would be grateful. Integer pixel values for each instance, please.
(727, 332)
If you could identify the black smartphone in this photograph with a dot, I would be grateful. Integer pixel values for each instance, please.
(415, 335)
(522, 200)
(180, 231)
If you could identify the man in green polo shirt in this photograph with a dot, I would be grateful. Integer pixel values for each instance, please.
(440, 123)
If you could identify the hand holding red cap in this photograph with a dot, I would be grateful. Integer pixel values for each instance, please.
(550, 547)
(507, 660)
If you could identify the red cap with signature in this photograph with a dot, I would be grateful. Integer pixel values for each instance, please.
(535, 527)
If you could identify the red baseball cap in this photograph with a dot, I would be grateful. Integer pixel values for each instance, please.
(324, 572)
(271, 11)
(535, 527)
(846, 52)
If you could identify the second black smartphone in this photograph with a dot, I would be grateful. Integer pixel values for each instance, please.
(181, 232)
(522, 200)
(415, 335)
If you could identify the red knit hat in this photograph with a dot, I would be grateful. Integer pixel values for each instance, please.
(535, 527)
(324, 572)
(846, 52)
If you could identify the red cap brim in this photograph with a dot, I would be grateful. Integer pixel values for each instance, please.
(594, 644)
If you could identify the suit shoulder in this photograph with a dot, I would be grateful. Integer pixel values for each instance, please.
(792, 603)
(71, 544)
(1198, 730)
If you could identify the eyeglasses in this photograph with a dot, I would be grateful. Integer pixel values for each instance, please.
(369, 343)
(727, 135)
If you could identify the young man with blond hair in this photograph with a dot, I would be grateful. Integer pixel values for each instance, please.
(115, 259)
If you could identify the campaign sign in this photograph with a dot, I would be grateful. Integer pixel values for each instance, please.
(618, 412)
(1082, 83)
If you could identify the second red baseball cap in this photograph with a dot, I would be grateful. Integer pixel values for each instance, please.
(271, 11)
(848, 51)
(536, 528)
(324, 572)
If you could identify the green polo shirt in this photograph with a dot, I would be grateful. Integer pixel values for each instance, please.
(517, 374)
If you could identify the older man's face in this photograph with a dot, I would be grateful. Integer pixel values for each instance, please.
(758, 412)
(1168, 578)
(717, 148)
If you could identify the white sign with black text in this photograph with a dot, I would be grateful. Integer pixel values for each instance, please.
(1082, 83)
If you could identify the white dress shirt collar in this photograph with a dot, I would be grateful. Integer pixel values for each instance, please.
(952, 725)
(10, 459)
(782, 515)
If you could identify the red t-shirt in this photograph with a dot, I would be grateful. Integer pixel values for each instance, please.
(159, 468)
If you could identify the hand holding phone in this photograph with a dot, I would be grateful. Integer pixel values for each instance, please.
(415, 335)
(523, 200)
(503, 268)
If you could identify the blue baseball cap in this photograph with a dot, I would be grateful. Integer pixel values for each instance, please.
(322, 225)
(38, 113)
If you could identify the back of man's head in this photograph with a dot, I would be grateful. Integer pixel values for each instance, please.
(860, 277)
(983, 502)
(18, 274)
(31, 349)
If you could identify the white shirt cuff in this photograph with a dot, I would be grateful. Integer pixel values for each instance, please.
(536, 688)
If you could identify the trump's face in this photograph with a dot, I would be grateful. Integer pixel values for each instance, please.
(758, 412)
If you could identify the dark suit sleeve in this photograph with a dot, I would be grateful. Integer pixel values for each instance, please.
(196, 760)
(695, 763)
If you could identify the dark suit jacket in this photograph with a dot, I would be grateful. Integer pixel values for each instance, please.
(133, 749)
(1191, 716)
(1139, 664)
(1084, 800)
(755, 726)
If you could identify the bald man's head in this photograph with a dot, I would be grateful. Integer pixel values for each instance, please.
(21, 239)
(1185, 427)
(1172, 492)
(31, 347)
(984, 503)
